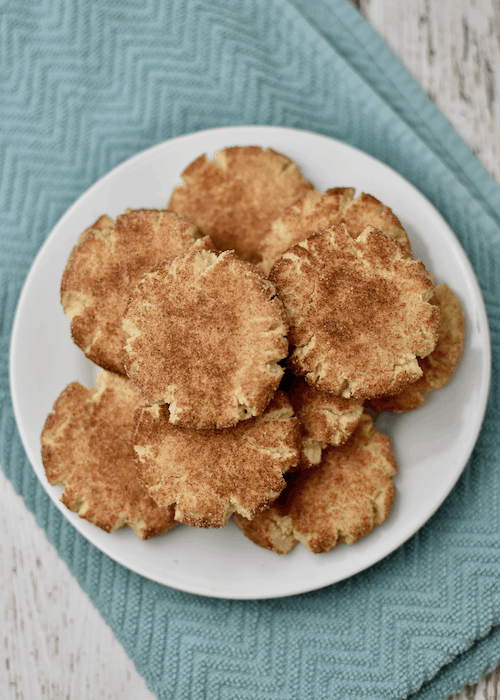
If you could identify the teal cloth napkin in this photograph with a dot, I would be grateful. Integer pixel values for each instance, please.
(87, 83)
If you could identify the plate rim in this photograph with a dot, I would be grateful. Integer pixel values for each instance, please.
(24, 295)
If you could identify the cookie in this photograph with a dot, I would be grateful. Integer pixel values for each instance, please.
(409, 399)
(314, 212)
(341, 500)
(104, 267)
(236, 196)
(438, 367)
(325, 416)
(205, 335)
(209, 474)
(87, 446)
(365, 211)
(358, 312)
(326, 419)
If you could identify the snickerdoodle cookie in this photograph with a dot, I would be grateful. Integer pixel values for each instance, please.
(210, 474)
(87, 445)
(326, 419)
(341, 500)
(237, 196)
(358, 312)
(438, 367)
(205, 335)
(314, 212)
(105, 265)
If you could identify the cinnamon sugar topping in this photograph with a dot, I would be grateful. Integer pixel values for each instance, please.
(209, 474)
(341, 500)
(205, 335)
(104, 267)
(237, 196)
(358, 312)
(87, 445)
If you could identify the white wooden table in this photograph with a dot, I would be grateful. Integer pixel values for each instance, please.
(54, 644)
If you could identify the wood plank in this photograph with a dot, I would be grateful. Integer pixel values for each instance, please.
(452, 48)
(54, 643)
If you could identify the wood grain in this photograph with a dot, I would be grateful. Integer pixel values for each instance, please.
(54, 644)
(452, 48)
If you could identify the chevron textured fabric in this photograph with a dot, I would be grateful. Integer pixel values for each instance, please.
(87, 83)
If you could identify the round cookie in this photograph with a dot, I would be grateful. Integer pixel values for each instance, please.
(87, 445)
(205, 335)
(358, 312)
(210, 474)
(438, 367)
(326, 419)
(341, 500)
(104, 267)
(314, 212)
(236, 197)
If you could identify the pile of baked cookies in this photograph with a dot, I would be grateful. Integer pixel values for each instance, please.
(246, 335)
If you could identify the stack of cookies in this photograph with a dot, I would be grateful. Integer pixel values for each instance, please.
(242, 333)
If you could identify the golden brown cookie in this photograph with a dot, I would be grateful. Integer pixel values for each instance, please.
(210, 474)
(236, 197)
(325, 416)
(104, 267)
(358, 312)
(438, 367)
(314, 212)
(87, 445)
(409, 399)
(205, 335)
(326, 419)
(365, 211)
(341, 500)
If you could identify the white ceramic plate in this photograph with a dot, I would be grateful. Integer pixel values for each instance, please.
(432, 445)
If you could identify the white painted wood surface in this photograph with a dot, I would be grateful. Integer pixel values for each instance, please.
(54, 644)
(452, 48)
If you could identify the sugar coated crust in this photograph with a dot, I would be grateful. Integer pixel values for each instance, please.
(358, 312)
(325, 416)
(205, 334)
(236, 196)
(209, 474)
(341, 500)
(105, 265)
(326, 419)
(314, 212)
(87, 446)
(440, 365)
